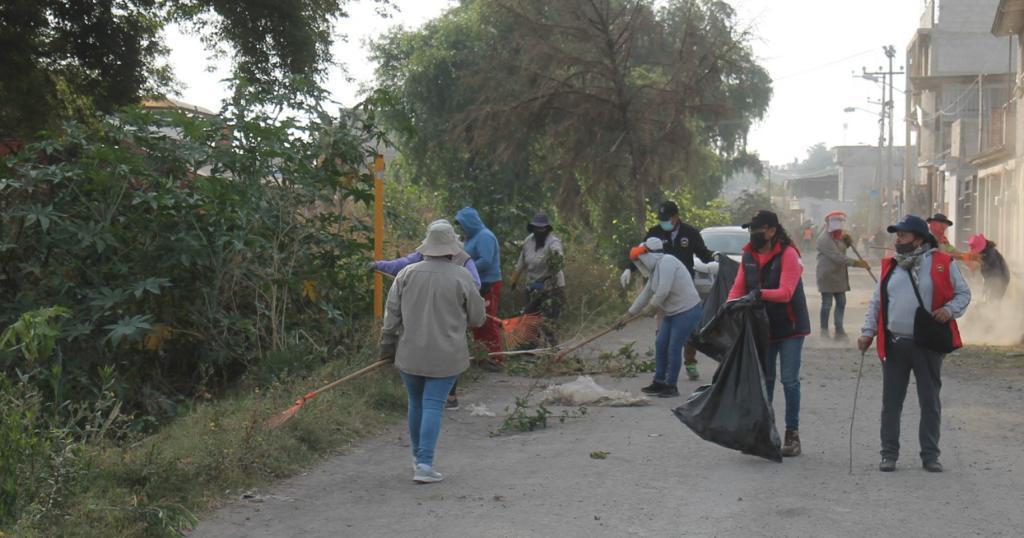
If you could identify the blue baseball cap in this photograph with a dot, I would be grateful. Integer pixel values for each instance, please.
(910, 223)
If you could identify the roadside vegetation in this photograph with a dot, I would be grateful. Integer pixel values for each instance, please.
(169, 280)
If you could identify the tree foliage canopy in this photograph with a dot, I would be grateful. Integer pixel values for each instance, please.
(583, 103)
(67, 58)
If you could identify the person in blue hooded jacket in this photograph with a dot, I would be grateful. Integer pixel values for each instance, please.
(483, 246)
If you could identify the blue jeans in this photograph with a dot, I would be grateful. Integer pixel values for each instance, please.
(826, 307)
(426, 406)
(668, 345)
(788, 351)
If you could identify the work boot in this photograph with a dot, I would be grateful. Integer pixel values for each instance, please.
(933, 466)
(791, 446)
(670, 391)
(654, 388)
(887, 465)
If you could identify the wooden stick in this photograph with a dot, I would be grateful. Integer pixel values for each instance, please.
(565, 352)
(284, 416)
(861, 258)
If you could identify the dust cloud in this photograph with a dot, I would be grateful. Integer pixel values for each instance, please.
(993, 321)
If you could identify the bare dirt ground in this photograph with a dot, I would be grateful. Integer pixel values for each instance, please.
(660, 479)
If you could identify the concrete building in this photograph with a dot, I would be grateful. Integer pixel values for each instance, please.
(958, 83)
(999, 197)
(863, 180)
(811, 197)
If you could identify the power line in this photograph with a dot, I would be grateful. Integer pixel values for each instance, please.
(824, 65)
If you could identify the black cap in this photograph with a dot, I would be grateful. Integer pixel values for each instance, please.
(540, 220)
(939, 217)
(910, 223)
(761, 219)
(668, 210)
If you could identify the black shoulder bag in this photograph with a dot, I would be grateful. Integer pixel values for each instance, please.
(929, 333)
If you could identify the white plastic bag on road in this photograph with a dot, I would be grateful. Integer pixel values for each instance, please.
(480, 410)
(584, 391)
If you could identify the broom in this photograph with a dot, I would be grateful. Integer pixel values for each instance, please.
(282, 417)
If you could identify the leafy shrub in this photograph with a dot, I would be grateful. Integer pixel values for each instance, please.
(187, 248)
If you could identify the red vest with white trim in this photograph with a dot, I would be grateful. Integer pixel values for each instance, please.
(942, 293)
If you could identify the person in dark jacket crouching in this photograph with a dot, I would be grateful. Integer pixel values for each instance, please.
(771, 271)
(920, 274)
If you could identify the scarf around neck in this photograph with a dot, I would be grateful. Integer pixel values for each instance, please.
(911, 260)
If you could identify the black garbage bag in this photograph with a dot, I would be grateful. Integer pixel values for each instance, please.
(733, 411)
(715, 342)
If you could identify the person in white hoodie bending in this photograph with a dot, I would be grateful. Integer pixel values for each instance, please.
(670, 291)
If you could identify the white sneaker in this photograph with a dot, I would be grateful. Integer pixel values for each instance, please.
(426, 474)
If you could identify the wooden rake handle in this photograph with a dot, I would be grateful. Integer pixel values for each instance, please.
(861, 258)
(349, 377)
(574, 347)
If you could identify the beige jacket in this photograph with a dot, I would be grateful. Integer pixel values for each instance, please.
(833, 265)
(534, 262)
(429, 307)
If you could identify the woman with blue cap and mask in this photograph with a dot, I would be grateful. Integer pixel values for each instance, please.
(913, 313)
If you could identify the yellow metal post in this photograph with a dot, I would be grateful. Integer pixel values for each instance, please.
(378, 233)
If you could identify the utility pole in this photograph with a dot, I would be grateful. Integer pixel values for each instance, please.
(888, 108)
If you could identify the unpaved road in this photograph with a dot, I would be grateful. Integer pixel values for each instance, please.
(662, 480)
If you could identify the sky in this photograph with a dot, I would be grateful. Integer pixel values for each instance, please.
(812, 48)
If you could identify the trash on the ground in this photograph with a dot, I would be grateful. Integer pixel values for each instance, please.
(733, 411)
(480, 410)
(654, 435)
(252, 497)
(585, 391)
(599, 455)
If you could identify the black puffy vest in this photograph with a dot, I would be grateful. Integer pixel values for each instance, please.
(784, 319)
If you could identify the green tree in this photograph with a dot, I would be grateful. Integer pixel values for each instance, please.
(67, 58)
(597, 105)
(748, 203)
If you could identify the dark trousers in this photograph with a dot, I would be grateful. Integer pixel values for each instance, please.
(826, 307)
(903, 357)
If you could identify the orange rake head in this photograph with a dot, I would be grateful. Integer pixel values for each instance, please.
(521, 330)
(282, 417)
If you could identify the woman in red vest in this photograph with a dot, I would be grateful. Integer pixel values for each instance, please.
(771, 270)
(918, 275)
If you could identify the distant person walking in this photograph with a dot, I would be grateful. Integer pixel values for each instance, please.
(993, 266)
(483, 246)
(833, 271)
(428, 309)
(671, 292)
(771, 272)
(684, 242)
(541, 260)
(393, 267)
(920, 280)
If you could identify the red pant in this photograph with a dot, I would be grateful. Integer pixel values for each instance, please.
(490, 334)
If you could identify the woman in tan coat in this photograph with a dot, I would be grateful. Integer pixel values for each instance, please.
(429, 307)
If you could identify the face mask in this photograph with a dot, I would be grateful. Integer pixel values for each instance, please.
(666, 225)
(758, 240)
(643, 269)
(905, 248)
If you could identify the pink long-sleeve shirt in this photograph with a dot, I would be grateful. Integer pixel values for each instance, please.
(792, 269)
